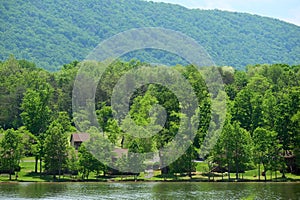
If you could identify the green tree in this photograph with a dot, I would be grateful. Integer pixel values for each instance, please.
(113, 131)
(36, 111)
(283, 125)
(243, 109)
(296, 126)
(135, 160)
(227, 145)
(269, 110)
(12, 87)
(103, 115)
(101, 148)
(185, 164)
(36, 115)
(73, 164)
(64, 80)
(87, 162)
(242, 153)
(218, 156)
(11, 151)
(264, 148)
(56, 149)
(236, 143)
(29, 141)
(64, 119)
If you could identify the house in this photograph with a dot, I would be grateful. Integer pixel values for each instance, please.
(77, 139)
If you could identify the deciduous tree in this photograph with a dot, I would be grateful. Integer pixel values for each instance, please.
(11, 152)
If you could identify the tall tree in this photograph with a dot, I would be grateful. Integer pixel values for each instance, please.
(36, 114)
(185, 164)
(56, 149)
(269, 110)
(242, 153)
(64, 79)
(243, 109)
(12, 86)
(87, 162)
(11, 152)
(36, 111)
(296, 126)
(226, 145)
(236, 143)
(264, 148)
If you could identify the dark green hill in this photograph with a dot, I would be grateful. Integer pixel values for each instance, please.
(53, 32)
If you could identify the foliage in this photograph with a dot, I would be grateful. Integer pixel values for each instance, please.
(11, 152)
(52, 33)
(265, 148)
(262, 125)
(56, 154)
(87, 162)
(36, 112)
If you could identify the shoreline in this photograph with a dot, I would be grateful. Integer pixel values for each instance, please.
(150, 181)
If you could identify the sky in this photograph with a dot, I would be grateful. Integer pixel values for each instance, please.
(286, 10)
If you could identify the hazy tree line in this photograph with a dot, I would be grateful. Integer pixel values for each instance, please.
(261, 129)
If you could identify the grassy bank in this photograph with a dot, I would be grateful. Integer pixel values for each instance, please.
(27, 175)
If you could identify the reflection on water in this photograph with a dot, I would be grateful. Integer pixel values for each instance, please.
(150, 191)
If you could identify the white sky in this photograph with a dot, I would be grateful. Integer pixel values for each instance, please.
(287, 10)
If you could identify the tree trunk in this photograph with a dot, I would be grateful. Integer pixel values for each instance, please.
(237, 171)
(190, 169)
(259, 171)
(164, 171)
(190, 163)
(228, 172)
(265, 172)
(41, 165)
(59, 168)
(283, 174)
(122, 141)
(59, 171)
(10, 172)
(36, 164)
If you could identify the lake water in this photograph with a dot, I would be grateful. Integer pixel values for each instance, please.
(150, 191)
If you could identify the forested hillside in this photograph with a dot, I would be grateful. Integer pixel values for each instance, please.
(51, 33)
(261, 129)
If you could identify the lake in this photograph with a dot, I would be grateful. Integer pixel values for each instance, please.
(156, 190)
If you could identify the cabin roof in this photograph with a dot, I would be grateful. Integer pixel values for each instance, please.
(80, 137)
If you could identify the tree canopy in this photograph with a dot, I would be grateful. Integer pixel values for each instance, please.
(261, 127)
(52, 33)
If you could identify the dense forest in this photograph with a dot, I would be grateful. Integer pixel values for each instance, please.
(261, 129)
(52, 33)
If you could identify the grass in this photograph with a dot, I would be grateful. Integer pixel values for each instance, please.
(27, 175)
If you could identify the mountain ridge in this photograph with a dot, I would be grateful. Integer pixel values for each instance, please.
(52, 33)
(217, 9)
